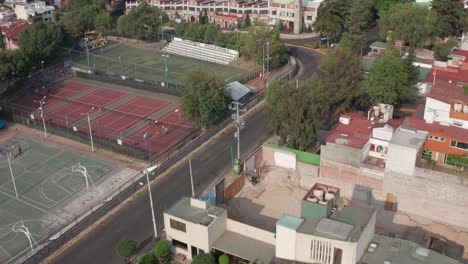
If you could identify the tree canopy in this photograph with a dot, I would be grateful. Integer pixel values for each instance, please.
(126, 249)
(142, 22)
(263, 39)
(451, 17)
(162, 251)
(81, 15)
(205, 258)
(340, 71)
(391, 79)
(330, 19)
(413, 24)
(297, 113)
(40, 41)
(205, 98)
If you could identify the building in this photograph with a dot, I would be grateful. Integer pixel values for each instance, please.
(11, 33)
(295, 15)
(37, 11)
(6, 13)
(324, 233)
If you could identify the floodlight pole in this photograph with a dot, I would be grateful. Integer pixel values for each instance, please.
(268, 62)
(11, 172)
(151, 203)
(41, 112)
(90, 132)
(165, 56)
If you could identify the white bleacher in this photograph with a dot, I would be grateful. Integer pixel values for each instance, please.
(201, 51)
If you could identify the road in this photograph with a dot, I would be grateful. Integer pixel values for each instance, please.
(133, 220)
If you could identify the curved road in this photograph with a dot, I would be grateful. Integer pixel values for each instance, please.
(133, 219)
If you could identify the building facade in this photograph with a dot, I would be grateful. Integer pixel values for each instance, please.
(37, 10)
(294, 15)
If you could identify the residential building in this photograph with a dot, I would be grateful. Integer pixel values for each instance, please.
(11, 33)
(295, 15)
(324, 233)
(37, 10)
(6, 13)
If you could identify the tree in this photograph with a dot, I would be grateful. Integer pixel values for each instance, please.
(40, 41)
(223, 259)
(80, 15)
(357, 23)
(391, 79)
(13, 66)
(297, 113)
(205, 98)
(329, 20)
(340, 71)
(201, 18)
(263, 39)
(148, 258)
(413, 24)
(382, 6)
(142, 22)
(443, 49)
(103, 22)
(2, 43)
(451, 17)
(162, 251)
(126, 249)
(354, 42)
(206, 258)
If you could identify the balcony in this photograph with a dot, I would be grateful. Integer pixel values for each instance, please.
(459, 111)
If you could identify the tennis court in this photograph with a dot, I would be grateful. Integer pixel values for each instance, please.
(126, 115)
(44, 181)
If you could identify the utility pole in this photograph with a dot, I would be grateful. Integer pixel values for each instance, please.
(151, 203)
(191, 177)
(240, 123)
(268, 61)
(8, 153)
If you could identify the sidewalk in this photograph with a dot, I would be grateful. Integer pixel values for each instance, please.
(300, 36)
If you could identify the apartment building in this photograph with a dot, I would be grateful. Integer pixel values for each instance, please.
(37, 10)
(295, 15)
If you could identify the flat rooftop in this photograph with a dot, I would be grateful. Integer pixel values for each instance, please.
(409, 137)
(397, 250)
(184, 210)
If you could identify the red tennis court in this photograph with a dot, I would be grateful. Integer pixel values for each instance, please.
(171, 128)
(72, 111)
(126, 115)
(65, 90)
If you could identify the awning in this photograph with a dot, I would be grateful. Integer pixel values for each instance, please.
(245, 247)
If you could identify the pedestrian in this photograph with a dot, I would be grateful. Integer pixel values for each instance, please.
(19, 149)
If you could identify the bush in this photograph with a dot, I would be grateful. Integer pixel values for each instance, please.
(162, 251)
(148, 258)
(223, 259)
(203, 259)
(126, 249)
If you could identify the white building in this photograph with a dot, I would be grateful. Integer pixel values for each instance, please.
(36, 9)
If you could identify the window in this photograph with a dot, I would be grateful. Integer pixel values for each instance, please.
(457, 123)
(178, 225)
(458, 144)
(273, 13)
(309, 17)
(177, 243)
(441, 139)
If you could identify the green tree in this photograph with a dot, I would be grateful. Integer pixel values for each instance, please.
(142, 22)
(413, 24)
(443, 49)
(103, 22)
(126, 249)
(211, 33)
(223, 259)
(148, 258)
(40, 41)
(340, 71)
(330, 20)
(162, 251)
(206, 258)
(451, 17)
(382, 6)
(391, 79)
(205, 98)
(357, 23)
(355, 42)
(13, 66)
(201, 18)
(263, 39)
(80, 15)
(297, 113)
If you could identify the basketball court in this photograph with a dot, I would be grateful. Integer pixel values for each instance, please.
(45, 178)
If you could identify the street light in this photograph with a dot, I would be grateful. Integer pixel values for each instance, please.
(89, 126)
(41, 112)
(165, 56)
(151, 198)
(162, 30)
(8, 153)
(42, 64)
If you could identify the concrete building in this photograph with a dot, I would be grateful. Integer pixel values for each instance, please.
(6, 14)
(37, 10)
(295, 15)
(11, 33)
(324, 233)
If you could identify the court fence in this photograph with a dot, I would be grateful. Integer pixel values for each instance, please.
(89, 216)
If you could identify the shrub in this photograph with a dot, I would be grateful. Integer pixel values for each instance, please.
(148, 258)
(162, 251)
(203, 259)
(126, 249)
(223, 259)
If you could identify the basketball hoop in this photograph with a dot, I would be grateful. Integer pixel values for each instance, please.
(82, 169)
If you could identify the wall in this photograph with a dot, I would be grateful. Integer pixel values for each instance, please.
(217, 228)
(234, 188)
(308, 173)
(366, 237)
(441, 110)
(304, 248)
(250, 231)
(285, 243)
(401, 159)
(342, 154)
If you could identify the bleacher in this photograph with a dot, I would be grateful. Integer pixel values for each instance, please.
(201, 51)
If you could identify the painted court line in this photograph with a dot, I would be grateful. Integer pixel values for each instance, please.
(33, 206)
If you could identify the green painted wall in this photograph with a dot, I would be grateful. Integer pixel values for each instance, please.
(302, 156)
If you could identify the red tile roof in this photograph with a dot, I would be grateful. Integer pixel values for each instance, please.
(448, 74)
(354, 135)
(13, 31)
(460, 52)
(456, 133)
(446, 92)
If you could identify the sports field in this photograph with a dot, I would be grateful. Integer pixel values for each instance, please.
(44, 181)
(131, 121)
(148, 64)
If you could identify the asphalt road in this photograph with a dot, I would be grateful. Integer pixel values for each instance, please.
(309, 59)
(133, 221)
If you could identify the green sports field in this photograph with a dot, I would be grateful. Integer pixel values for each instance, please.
(148, 64)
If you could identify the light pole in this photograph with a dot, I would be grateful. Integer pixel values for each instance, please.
(165, 56)
(42, 64)
(151, 202)
(41, 112)
(268, 61)
(162, 30)
(89, 126)
(240, 123)
(237, 43)
(8, 153)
